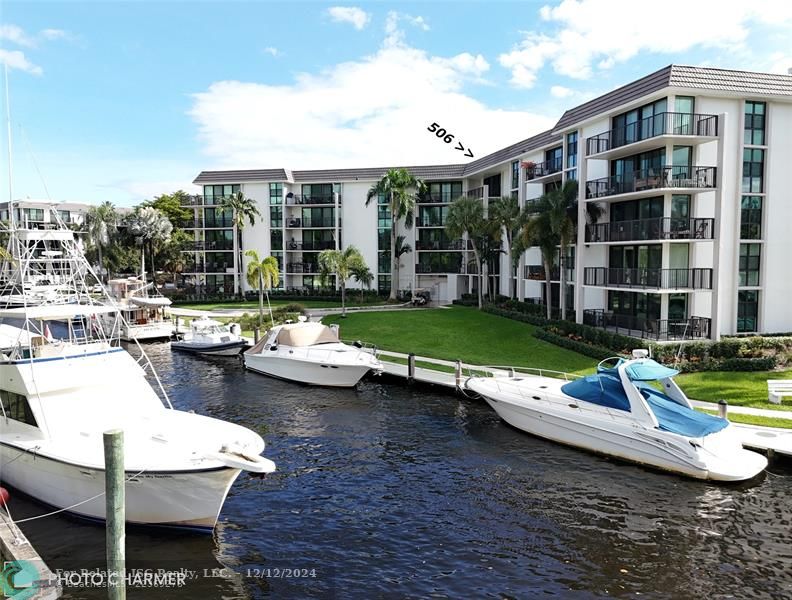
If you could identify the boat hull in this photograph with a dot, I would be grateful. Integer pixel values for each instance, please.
(310, 373)
(154, 331)
(627, 441)
(224, 349)
(184, 499)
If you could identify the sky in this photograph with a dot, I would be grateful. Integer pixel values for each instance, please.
(123, 101)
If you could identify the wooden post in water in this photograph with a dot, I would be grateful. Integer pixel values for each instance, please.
(177, 326)
(115, 513)
(458, 374)
(256, 335)
(723, 408)
(410, 368)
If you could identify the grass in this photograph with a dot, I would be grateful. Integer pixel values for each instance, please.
(737, 388)
(754, 419)
(252, 305)
(460, 333)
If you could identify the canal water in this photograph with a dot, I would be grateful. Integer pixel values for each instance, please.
(390, 492)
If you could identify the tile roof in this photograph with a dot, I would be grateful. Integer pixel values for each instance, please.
(681, 76)
(240, 176)
(499, 156)
(375, 173)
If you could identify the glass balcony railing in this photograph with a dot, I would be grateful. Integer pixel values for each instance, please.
(647, 328)
(667, 123)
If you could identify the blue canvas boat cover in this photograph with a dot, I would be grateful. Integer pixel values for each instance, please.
(680, 419)
(649, 370)
(603, 389)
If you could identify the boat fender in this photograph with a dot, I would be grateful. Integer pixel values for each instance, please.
(236, 329)
(357, 344)
(4, 495)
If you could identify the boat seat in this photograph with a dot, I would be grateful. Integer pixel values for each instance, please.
(676, 418)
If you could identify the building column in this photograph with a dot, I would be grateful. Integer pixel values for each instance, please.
(580, 252)
(720, 229)
(520, 284)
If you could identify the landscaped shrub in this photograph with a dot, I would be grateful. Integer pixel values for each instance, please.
(597, 352)
(748, 364)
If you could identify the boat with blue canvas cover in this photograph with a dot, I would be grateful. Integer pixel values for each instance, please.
(630, 409)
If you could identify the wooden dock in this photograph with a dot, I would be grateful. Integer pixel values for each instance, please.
(15, 548)
(450, 375)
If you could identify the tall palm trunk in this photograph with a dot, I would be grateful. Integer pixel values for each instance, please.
(101, 265)
(261, 298)
(548, 265)
(562, 280)
(479, 270)
(394, 259)
(239, 270)
(343, 299)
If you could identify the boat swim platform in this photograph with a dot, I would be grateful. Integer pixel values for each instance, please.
(770, 440)
(18, 556)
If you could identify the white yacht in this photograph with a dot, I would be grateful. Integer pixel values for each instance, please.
(630, 409)
(311, 353)
(207, 336)
(62, 386)
(144, 315)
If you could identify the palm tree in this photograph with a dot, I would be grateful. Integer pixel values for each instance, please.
(536, 231)
(150, 228)
(262, 275)
(102, 223)
(363, 275)
(401, 189)
(505, 215)
(242, 209)
(466, 218)
(342, 264)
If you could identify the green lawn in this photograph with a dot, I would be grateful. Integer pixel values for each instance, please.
(352, 300)
(754, 419)
(739, 389)
(460, 333)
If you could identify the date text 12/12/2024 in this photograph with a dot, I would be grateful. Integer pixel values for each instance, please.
(448, 138)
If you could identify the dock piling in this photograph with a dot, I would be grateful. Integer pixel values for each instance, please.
(115, 513)
(458, 374)
(256, 335)
(723, 408)
(410, 368)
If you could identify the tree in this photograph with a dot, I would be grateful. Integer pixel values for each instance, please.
(363, 275)
(401, 190)
(150, 228)
(342, 264)
(172, 206)
(505, 215)
(536, 231)
(171, 256)
(262, 275)
(242, 209)
(102, 224)
(466, 218)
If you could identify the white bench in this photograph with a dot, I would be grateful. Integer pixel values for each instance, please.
(777, 388)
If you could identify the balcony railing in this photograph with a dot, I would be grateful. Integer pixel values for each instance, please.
(309, 223)
(202, 245)
(660, 228)
(441, 198)
(537, 273)
(310, 246)
(542, 169)
(306, 199)
(655, 178)
(195, 200)
(440, 245)
(653, 329)
(216, 223)
(697, 279)
(439, 268)
(667, 123)
(302, 267)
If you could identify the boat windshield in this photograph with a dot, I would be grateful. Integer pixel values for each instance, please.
(604, 389)
(644, 370)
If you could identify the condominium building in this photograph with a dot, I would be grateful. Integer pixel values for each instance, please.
(689, 167)
(34, 213)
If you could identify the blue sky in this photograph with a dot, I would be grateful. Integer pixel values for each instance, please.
(120, 101)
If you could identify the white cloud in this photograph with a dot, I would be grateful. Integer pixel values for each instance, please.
(780, 63)
(16, 35)
(579, 34)
(16, 59)
(559, 91)
(371, 111)
(54, 34)
(349, 14)
(272, 51)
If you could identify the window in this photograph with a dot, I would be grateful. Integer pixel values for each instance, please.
(515, 175)
(554, 159)
(218, 217)
(572, 149)
(753, 170)
(494, 183)
(214, 194)
(384, 283)
(443, 192)
(754, 134)
(276, 240)
(65, 216)
(683, 119)
(318, 193)
(318, 217)
(749, 264)
(751, 218)
(276, 216)
(276, 193)
(747, 310)
(16, 407)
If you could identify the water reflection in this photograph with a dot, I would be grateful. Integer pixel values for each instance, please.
(389, 491)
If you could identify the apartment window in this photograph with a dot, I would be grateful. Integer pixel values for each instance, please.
(276, 193)
(4, 214)
(751, 218)
(571, 175)
(65, 216)
(214, 194)
(276, 239)
(747, 311)
(572, 149)
(555, 159)
(753, 170)
(218, 217)
(219, 239)
(432, 216)
(444, 192)
(319, 193)
(276, 216)
(749, 264)
(515, 175)
(754, 134)
(383, 283)
(16, 407)
(383, 262)
(30, 215)
(383, 216)
(318, 217)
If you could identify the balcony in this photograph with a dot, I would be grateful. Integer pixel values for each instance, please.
(440, 245)
(646, 182)
(309, 246)
(683, 128)
(651, 329)
(209, 245)
(441, 198)
(295, 199)
(296, 268)
(660, 228)
(194, 223)
(537, 273)
(641, 278)
(440, 268)
(309, 223)
(195, 201)
(544, 171)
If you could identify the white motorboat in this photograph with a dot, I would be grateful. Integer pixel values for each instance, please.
(61, 387)
(144, 315)
(207, 336)
(311, 353)
(630, 409)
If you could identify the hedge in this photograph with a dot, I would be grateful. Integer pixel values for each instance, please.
(597, 352)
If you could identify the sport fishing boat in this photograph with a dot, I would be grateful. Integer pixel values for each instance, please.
(207, 336)
(144, 314)
(62, 386)
(630, 409)
(311, 353)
